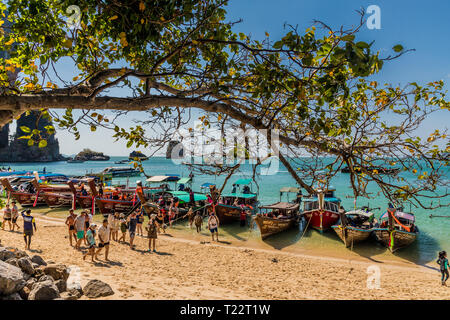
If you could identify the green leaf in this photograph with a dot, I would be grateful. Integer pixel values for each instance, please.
(398, 48)
(25, 129)
(349, 37)
(30, 142)
(93, 128)
(42, 143)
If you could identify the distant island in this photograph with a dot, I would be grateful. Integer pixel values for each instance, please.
(137, 155)
(89, 155)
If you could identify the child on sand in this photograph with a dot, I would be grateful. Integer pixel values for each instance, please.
(140, 221)
(123, 227)
(132, 223)
(443, 262)
(152, 228)
(90, 237)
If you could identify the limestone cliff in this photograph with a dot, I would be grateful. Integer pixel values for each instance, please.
(17, 150)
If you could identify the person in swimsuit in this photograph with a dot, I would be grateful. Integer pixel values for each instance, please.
(70, 222)
(213, 225)
(14, 215)
(115, 227)
(443, 262)
(80, 226)
(7, 217)
(90, 235)
(104, 233)
(152, 232)
(28, 224)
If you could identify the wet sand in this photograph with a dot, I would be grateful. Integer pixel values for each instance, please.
(191, 266)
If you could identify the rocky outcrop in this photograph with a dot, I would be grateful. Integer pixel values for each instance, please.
(89, 155)
(97, 289)
(25, 278)
(18, 150)
(11, 279)
(137, 154)
(174, 150)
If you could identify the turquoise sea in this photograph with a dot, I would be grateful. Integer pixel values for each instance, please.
(434, 233)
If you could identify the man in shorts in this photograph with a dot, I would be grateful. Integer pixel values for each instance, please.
(14, 215)
(213, 225)
(7, 217)
(132, 223)
(104, 233)
(70, 222)
(28, 224)
(80, 224)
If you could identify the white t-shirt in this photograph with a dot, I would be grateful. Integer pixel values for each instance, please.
(104, 233)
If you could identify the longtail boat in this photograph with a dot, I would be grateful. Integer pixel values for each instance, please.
(106, 205)
(28, 197)
(54, 195)
(355, 226)
(322, 210)
(282, 216)
(397, 229)
(231, 205)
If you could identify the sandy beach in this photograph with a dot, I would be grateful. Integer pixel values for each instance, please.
(192, 267)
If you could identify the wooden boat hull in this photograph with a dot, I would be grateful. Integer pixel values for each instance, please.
(228, 214)
(55, 200)
(270, 226)
(28, 199)
(321, 220)
(400, 238)
(350, 235)
(107, 205)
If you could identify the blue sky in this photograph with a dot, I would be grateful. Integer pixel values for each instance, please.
(421, 25)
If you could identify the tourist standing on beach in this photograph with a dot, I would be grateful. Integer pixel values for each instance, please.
(7, 217)
(213, 225)
(443, 262)
(115, 227)
(14, 215)
(28, 224)
(140, 221)
(198, 220)
(90, 235)
(104, 233)
(70, 222)
(152, 232)
(80, 225)
(111, 221)
(123, 227)
(132, 223)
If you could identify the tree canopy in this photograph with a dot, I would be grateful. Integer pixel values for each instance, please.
(173, 56)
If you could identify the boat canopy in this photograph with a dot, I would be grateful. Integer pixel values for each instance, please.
(282, 206)
(360, 212)
(43, 176)
(207, 185)
(326, 199)
(400, 214)
(243, 181)
(290, 190)
(239, 195)
(184, 196)
(184, 180)
(158, 179)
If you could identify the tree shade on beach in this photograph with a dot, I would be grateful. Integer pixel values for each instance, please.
(312, 87)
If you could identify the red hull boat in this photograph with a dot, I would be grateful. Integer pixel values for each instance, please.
(322, 211)
(25, 199)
